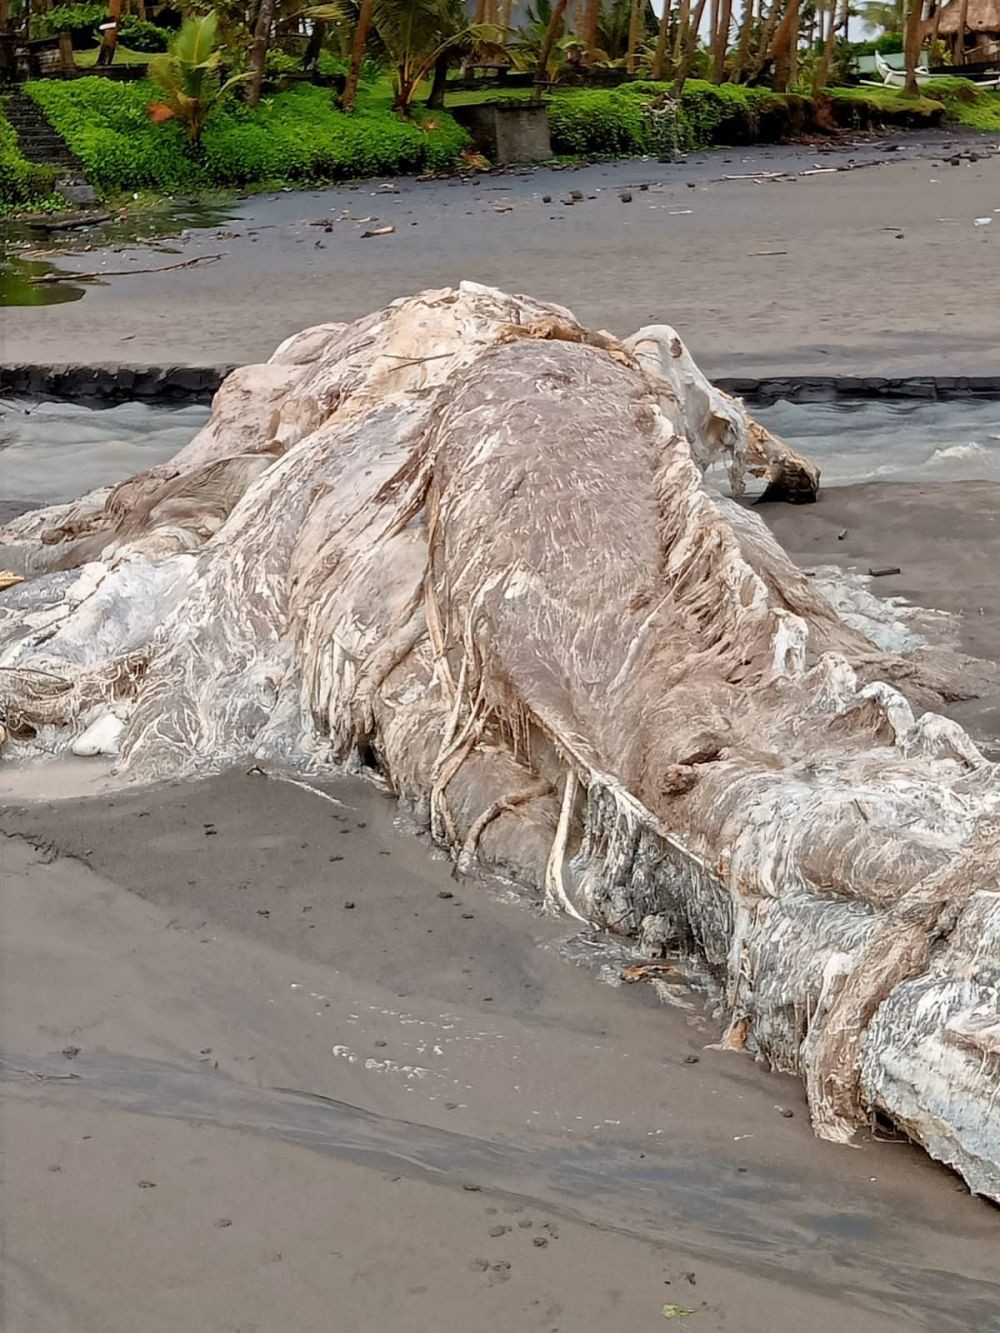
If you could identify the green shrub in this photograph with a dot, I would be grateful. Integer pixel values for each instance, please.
(138, 35)
(964, 102)
(296, 136)
(597, 122)
(80, 21)
(280, 62)
(21, 182)
(889, 44)
(612, 122)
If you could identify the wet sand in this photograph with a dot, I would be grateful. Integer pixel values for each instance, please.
(281, 1106)
(944, 538)
(874, 271)
(269, 1066)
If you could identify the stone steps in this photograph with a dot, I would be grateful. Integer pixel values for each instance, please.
(41, 143)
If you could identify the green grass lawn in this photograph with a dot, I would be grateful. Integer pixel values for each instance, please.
(962, 102)
(123, 56)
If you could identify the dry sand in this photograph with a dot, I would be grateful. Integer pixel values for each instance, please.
(278, 1104)
(875, 271)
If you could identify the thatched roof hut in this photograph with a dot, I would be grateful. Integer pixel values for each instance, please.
(982, 29)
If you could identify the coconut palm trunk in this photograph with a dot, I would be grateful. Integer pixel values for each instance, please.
(109, 39)
(822, 75)
(720, 40)
(660, 54)
(687, 43)
(632, 53)
(963, 23)
(548, 42)
(589, 23)
(743, 44)
(258, 51)
(435, 98)
(914, 35)
(784, 53)
(357, 54)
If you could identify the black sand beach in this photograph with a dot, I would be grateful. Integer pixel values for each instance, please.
(268, 1066)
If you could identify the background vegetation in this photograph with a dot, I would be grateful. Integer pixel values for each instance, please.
(259, 92)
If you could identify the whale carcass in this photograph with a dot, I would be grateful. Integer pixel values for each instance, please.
(471, 543)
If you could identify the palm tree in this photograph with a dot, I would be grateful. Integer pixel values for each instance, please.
(421, 36)
(361, 31)
(258, 50)
(883, 15)
(188, 76)
(552, 30)
(662, 36)
(109, 40)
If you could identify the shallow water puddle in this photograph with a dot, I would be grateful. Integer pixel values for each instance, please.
(859, 440)
(21, 265)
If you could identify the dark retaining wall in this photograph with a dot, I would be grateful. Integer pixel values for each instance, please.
(197, 384)
(114, 384)
(822, 388)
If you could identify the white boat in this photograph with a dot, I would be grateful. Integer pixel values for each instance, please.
(896, 78)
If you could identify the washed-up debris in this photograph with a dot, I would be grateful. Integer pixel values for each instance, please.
(8, 579)
(981, 222)
(378, 231)
(68, 221)
(647, 971)
(883, 571)
(122, 272)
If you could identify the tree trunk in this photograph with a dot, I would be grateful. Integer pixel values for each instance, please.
(4, 15)
(258, 51)
(591, 20)
(963, 23)
(687, 49)
(505, 9)
(743, 45)
(767, 30)
(934, 29)
(660, 55)
(357, 54)
(720, 40)
(914, 26)
(435, 98)
(314, 46)
(785, 49)
(109, 38)
(631, 55)
(683, 20)
(548, 42)
(822, 75)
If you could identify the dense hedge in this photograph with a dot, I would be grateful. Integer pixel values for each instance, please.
(294, 136)
(21, 181)
(139, 35)
(80, 21)
(612, 122)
